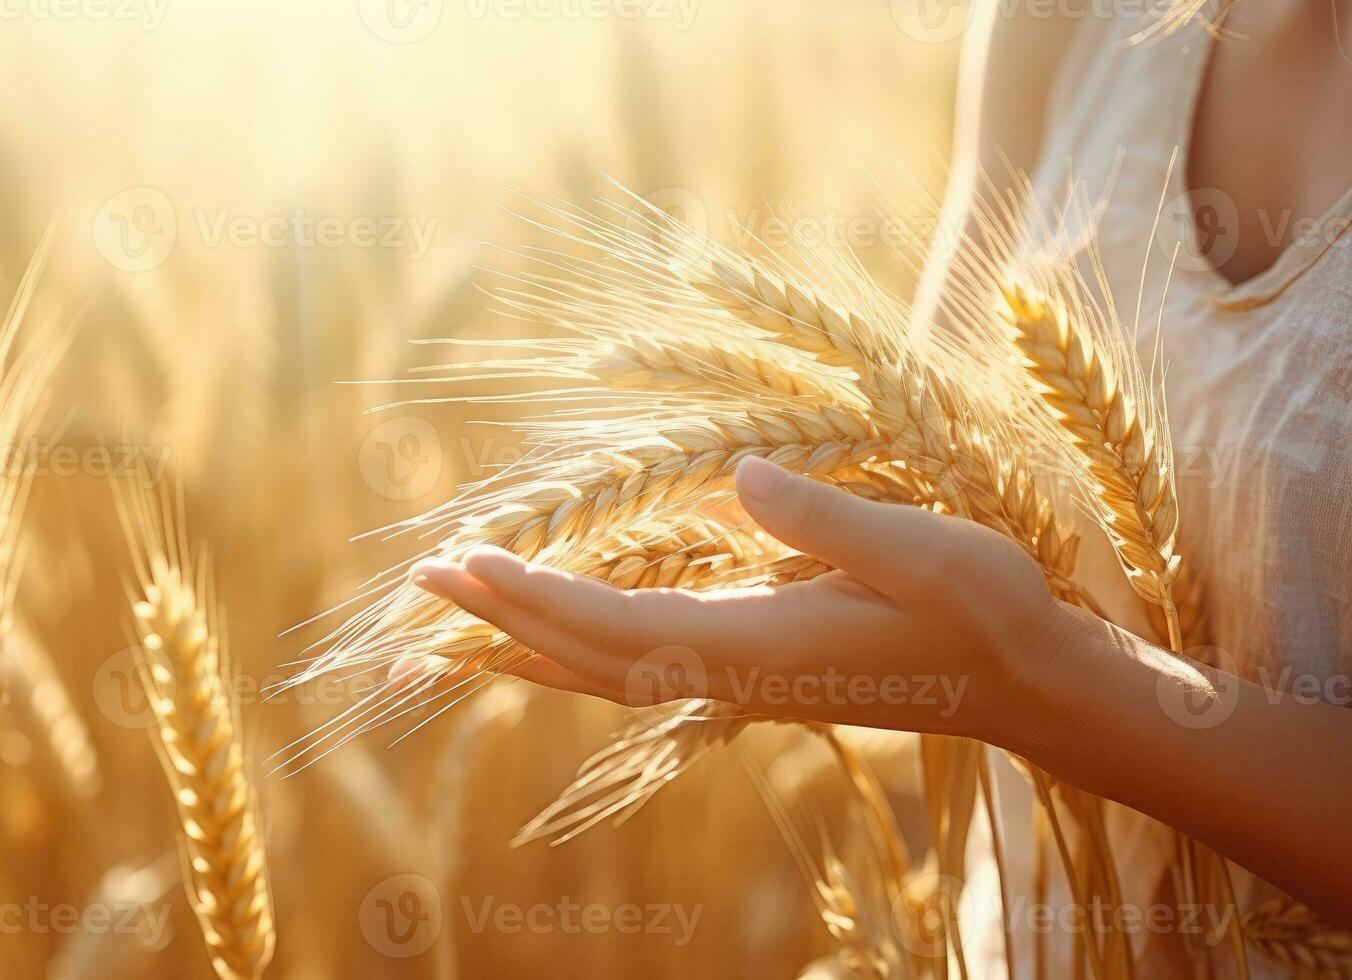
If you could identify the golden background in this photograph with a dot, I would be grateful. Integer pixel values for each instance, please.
(153, 140)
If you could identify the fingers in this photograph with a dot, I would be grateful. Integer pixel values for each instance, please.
(534, 668)
(451, 581)
(726, 628)
(894, 549)
(603, 634)
(545, 672)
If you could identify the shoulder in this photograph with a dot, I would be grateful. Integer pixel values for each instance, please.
(1025, 60)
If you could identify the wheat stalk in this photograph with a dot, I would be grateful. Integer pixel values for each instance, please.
(199, 741)
(952, 438)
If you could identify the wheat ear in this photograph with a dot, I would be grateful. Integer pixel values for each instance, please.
(948, 433)
(1290, 935)
(1123, 457)
(1123, 447)
(662, 472)
(198, 738)
(864, 348)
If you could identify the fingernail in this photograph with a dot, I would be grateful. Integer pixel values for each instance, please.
(760, 479)
(432, 576)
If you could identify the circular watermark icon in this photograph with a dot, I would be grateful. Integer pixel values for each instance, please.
(671, 673)
(401, 459)
(932, 906)
(679, 205)
(932, 21)
(401, 916)
(1205, 704)
(119, 694)
(401, 21)
(1199, 229)
(135, 229)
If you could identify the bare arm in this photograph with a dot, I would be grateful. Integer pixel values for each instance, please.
(1262, 777)
(1009, 58)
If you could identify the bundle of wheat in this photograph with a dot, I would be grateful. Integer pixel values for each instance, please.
(688, 357)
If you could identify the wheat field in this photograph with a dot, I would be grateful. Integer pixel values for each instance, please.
(251, 208)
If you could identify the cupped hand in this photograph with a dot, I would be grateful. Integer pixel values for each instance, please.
(926, 624)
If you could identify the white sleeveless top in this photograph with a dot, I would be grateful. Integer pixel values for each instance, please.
(1259, 389)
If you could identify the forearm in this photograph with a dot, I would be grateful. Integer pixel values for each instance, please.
(1262, 778)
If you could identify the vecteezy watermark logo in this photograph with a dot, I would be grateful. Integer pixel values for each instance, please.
(147, 464)
(932, 906)
(932, 21)
(37, 918)
(119, 693)
(401, 916)
(301, 229)
(666, 674)
(1199, 229)
(400, 21)
(679, 13)
(674, 673)
(149, 14)
(652, 217)
(401, 458)
(1100, 917)
(573, 918)
(135, 229)
(1196, 699)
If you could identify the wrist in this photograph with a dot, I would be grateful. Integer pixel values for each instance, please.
(1050, 677)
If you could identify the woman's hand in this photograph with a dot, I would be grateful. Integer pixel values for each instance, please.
(936, 624)
(927, 624)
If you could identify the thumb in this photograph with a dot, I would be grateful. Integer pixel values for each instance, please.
(893, 548)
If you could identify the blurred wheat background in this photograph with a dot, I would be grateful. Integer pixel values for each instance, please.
(255, 203)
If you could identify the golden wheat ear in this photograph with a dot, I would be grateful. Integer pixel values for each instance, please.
(1116, 437)
(198, 737)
